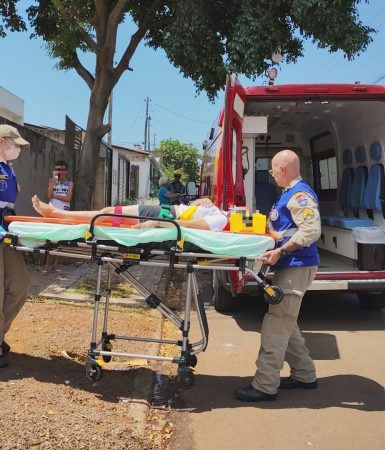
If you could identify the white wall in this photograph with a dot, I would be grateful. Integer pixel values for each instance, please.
(144, 178)
(139, 159)
(11, 106)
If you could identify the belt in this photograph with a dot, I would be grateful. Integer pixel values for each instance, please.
(6, 205)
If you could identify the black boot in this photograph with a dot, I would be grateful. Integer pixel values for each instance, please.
(250, 394)
(292, 383)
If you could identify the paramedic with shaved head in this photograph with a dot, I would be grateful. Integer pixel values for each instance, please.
(296, 220)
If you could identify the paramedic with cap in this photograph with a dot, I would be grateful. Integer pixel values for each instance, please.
(295, 216)
(13, 273)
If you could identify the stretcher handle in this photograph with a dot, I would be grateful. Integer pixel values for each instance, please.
(92, 225)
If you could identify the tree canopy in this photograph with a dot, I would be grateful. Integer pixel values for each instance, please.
(178, 156)
(9, 18)
(204, 39)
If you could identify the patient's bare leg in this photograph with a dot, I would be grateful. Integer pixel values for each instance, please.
(47, 210)
(44, 209)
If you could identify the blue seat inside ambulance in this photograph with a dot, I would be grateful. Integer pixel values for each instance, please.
(351, 193)
(358, 187)
(265, 192)
(372, 196)
(375, 187)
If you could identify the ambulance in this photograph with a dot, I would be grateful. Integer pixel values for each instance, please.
(338, 132)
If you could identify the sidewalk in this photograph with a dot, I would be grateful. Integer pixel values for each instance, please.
(63, 285)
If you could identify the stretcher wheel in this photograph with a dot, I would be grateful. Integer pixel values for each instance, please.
(93, 371)
(185, 377)
(107, 347)
(191, 361)
(273, 295)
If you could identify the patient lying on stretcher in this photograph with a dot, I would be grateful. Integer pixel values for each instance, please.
(200, 214)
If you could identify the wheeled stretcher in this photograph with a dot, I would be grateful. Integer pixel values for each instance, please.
(169, 247)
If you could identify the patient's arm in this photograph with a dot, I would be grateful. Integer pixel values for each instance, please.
(205, 201)
(199, 224)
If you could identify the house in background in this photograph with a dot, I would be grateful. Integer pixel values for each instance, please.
(11, 107)
(136, 173)
(124, 175)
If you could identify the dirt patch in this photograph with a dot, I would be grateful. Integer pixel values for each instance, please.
(47, 401)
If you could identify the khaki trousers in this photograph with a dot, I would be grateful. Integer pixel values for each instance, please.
(281, 339)
(13, 286)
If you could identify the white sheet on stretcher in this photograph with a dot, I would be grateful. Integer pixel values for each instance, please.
(220, 243)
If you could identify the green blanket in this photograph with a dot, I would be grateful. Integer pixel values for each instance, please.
(219, 243)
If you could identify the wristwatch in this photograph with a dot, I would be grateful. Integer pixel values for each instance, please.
(282, 251)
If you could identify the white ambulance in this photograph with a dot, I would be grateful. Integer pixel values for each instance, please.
(338, 132)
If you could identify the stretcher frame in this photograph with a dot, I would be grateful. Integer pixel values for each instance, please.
(120, 259)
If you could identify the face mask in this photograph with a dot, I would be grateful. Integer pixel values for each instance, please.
(12, 153)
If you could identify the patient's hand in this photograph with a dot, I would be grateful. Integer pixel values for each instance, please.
(147, 224)
(205, 202)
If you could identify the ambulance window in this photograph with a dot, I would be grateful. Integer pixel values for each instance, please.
(328, 173)
(324, 163)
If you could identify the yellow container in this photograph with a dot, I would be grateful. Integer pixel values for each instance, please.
(236, 222)
(259, 223)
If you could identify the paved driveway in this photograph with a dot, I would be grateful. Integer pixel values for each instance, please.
(347, 411)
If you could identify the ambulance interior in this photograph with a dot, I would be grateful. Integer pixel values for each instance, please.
(341, 148)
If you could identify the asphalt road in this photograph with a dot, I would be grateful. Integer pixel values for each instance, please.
(346, 411)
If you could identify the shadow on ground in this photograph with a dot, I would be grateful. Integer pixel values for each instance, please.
(343, 391)
(59, 370)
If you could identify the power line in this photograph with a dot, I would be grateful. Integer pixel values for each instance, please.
(381, 78)
(336, 55)
(180, 115)
(183, 129)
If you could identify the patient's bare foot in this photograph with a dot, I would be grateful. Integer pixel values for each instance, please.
(44, 209)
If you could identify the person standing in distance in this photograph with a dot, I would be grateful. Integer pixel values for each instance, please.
(13, 273)
(177, 187)
(60, 188)
(295, 261)
(59, 192)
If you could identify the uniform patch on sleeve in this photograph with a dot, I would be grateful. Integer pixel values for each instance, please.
(301, 198)
(307, 213)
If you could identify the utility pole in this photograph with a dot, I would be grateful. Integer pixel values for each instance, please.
(147, 127)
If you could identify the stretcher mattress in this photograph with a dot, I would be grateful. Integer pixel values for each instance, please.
(220, 243)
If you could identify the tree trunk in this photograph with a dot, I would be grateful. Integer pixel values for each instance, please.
(87, 160)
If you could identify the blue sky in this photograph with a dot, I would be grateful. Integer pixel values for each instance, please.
(176, 111)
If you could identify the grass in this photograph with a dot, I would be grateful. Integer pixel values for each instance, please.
(87, 287)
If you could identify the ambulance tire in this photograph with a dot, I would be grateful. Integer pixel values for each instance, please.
(371, 301)
(223, 300)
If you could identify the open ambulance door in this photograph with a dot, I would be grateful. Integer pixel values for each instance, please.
(229, 190)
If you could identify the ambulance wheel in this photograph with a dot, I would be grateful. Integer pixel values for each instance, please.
(223, 299)
(107, 347)
(185, 377)
(371, 301)
(273, 295)
(93, 371)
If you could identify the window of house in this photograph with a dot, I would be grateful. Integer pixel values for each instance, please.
(123, 180)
